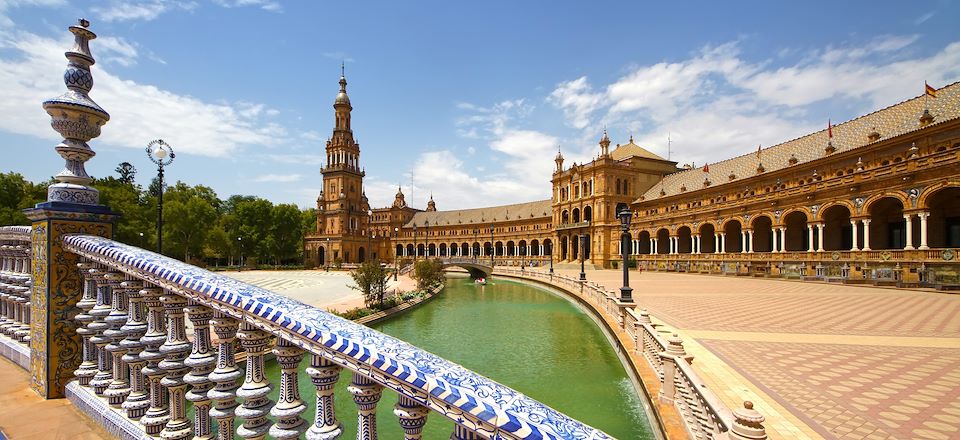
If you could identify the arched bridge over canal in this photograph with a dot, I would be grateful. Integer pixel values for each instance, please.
(476, 267)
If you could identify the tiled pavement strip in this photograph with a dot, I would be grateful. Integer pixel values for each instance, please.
(819, 360)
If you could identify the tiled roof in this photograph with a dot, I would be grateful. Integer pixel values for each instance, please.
(631, 149)
(518, 211)
(892, 121)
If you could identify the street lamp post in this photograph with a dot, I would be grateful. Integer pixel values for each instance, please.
(161, 154)
(369, 221)
(141, 240)
(583, 247)
(626, 293)
(550, 254)
(476, 232)
(416, 250)
(326, 257)
(426, 238)
(493, 249)
(240, 245)
(396, 255)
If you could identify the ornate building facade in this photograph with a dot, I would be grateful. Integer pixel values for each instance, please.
(875, 198)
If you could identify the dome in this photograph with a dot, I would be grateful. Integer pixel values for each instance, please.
(342, 97)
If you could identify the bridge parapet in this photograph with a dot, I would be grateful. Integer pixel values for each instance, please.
(475, 266)
(149, 290)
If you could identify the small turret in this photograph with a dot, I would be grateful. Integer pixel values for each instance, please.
(399, 201)
(604, 144)
(559, 160)
(431, 205)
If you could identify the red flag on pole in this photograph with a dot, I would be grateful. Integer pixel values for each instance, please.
(929, 90)
(706, 168)
(758, 150)
(830, 128)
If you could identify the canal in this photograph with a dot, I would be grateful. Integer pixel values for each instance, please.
(519, 335)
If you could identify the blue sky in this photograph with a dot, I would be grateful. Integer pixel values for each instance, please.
(467, 100)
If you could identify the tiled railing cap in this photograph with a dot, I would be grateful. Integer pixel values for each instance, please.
(15, 233)
(510, 413)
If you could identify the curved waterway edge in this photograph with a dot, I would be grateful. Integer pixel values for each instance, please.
(596, 316)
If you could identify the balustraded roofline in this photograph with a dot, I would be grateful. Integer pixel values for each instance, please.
(467, 398)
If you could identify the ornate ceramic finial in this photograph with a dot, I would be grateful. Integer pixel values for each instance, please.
(78, 119)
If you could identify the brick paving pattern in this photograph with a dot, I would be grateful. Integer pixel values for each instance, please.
(849, 362)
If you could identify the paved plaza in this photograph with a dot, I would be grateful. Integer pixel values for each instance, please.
(821, 360)
(325, 290)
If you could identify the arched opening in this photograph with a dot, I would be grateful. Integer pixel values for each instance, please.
(943, 226)
(643, 243)
(499, 249)
(576, 215)
(708, 239)
(548, 247)
(762, 234)
(398, 251)
(421, 250)
(587, 213)
(837, 230)
(575, 247)
(795, 236)
(487, 249)
(618, 186)
(322, 255)
(432, 250)
(734, 231)
(409, 250)
(535, 248)
(522, 248)
(585, 245)
(511, 249)
(683, 240)
(887, 225)
(443, 250)
(564, 248)
(564, 217)
(663, 241)
(361, 255)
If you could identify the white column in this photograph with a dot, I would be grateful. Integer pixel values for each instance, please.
(743, 241)
(529, 248)
(909, 243)
(811, 247)
(620, 247)
(716, 242)
(653, 247)
(923, 229)
(866, 234)
(820, 227)
(723, 242)
(853, 228)
(750, 241)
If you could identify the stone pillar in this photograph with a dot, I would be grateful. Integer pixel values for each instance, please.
(653, 248)
(175, 351)
(159, 412)
(694, 244)
(866, 234)
(138, 400)
(119, 388)
(743, 241)
(750, 241)
(202, 361)
(820, 228)
(810, 246)
(909, 244)
(366, 394)
(324, 375)
(462, 433)
(225, 376)
(923, 229)
(853, 227)
(256, 387)
(723, 242)
(71, 207)
(102, 379)
(88, 366)
(413, 417)
(290, 425)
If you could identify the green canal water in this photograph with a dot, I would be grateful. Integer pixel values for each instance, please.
(516, 334)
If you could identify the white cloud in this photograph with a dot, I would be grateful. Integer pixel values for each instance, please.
(282, 178)
(267, 5)
(717, 105)
(923, 18)
(143, 10)
(117, 50)
(31, 71)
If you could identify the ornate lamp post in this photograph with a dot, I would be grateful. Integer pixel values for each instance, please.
(369, 221)
(396, 256)
(240, 245)
(493, 249)
(550, 254)
(161, 154)
(476, 232)
(583, 246)
(326, 257)
(626, 293)
(426, 238)
(416, 250)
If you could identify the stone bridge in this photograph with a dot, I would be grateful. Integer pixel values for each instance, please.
(477, 268)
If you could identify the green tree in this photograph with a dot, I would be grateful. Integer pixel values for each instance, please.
(309, 220)
(188, 224)
(255, 217)
(287, 232)
(218, 243)
(127, 172)
(371, 279)
(136, 215)
(428, 273)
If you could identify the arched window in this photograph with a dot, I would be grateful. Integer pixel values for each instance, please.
(618, 186)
